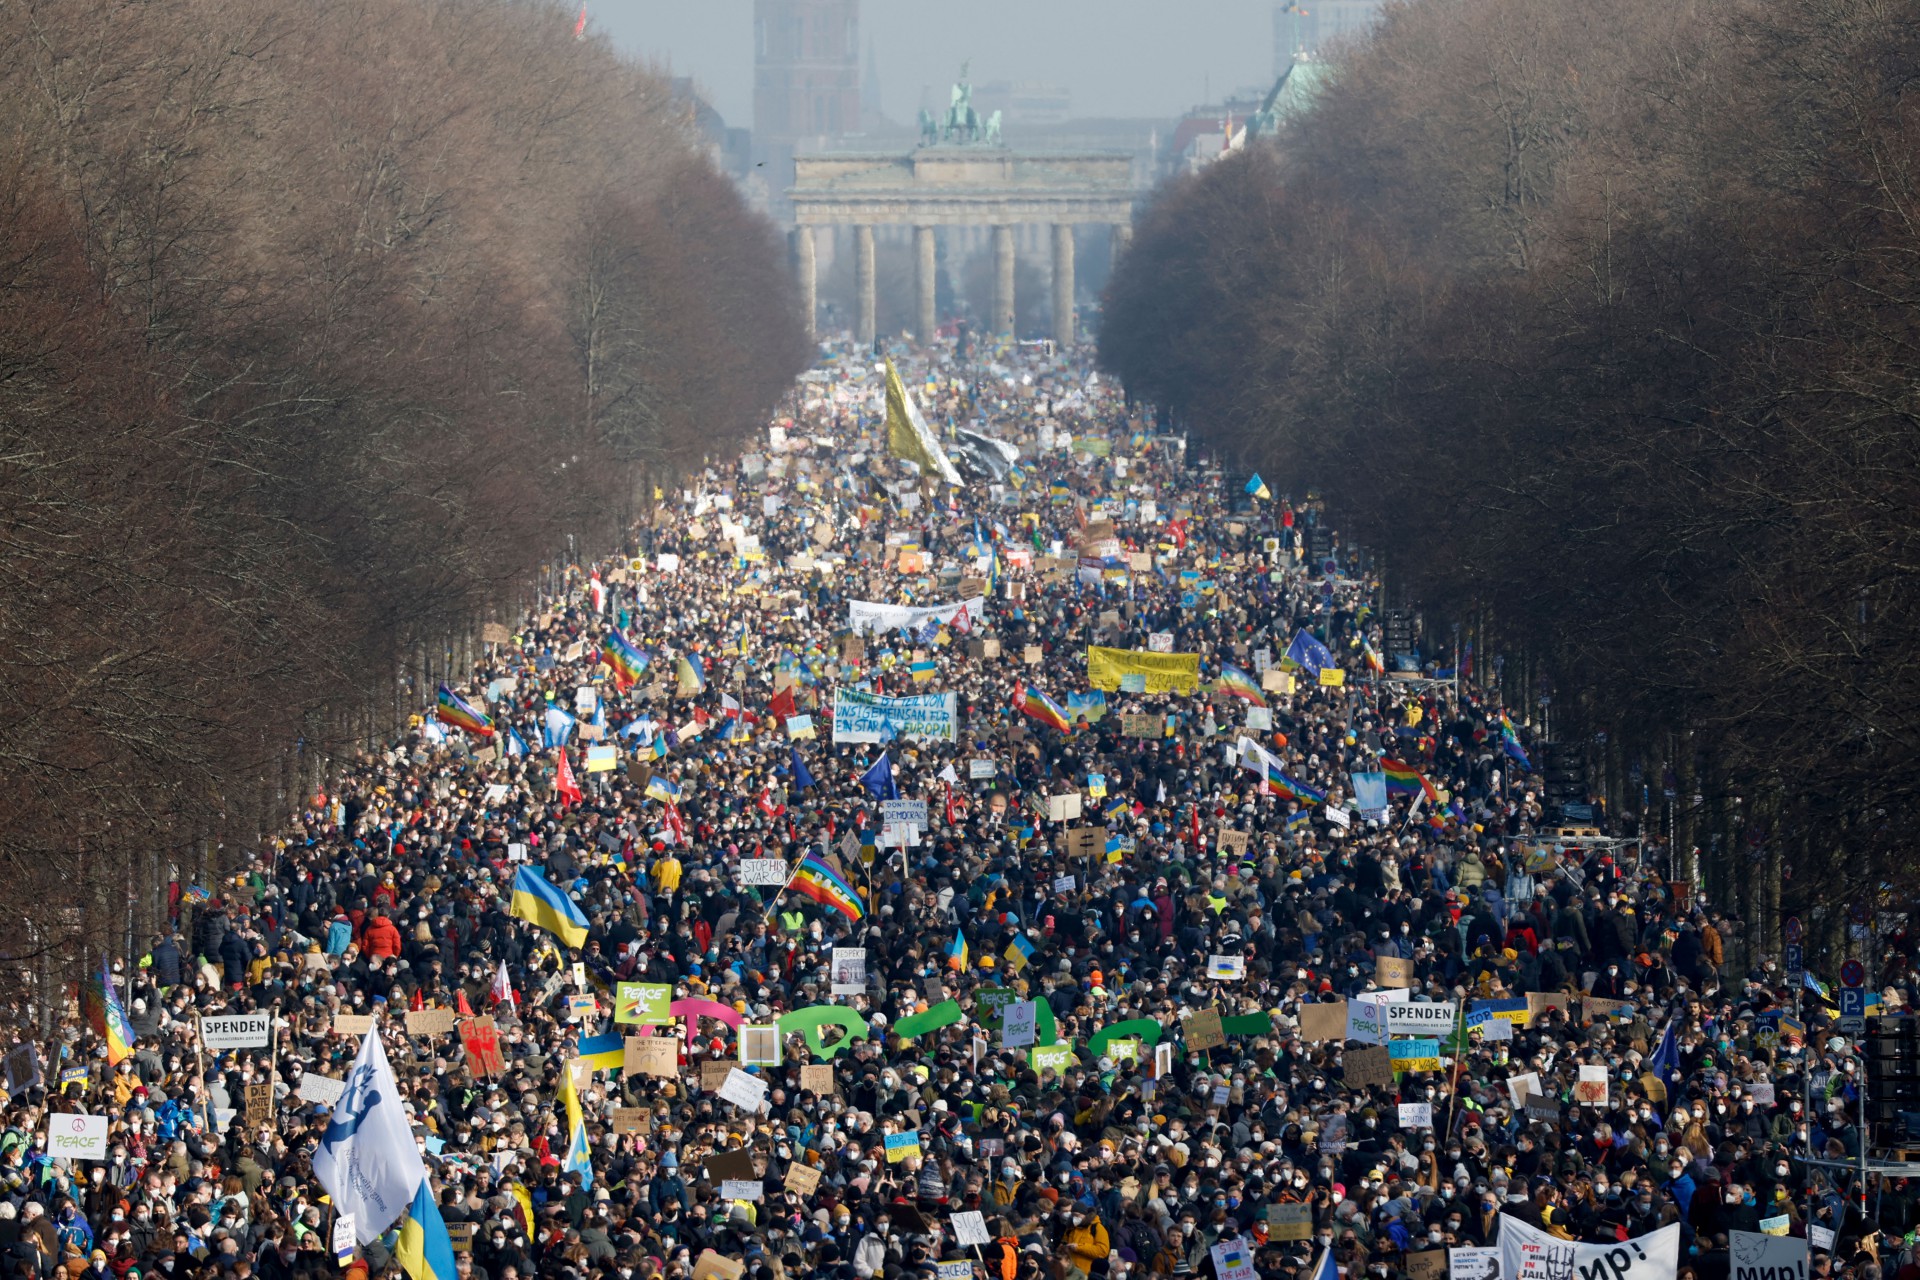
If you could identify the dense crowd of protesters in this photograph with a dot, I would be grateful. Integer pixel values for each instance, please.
(390, 894)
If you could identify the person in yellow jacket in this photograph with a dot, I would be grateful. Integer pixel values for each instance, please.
(666, 874)
(1086, 1243)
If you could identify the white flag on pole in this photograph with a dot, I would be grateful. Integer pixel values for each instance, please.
(367, 1159)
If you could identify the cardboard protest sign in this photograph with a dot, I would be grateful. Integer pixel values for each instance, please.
(1289, 1221)
(712, 1266)
(1538, 1002)
(1086, 842)
(1204, 1030)
(1427, 1264)
(801, 1179)
(429, 1022)
(1372, 1065)
(1392, 971)
(653, 1056)
(481, 1040)
(1324, 1021)
(632, 1120)
(728, 1166)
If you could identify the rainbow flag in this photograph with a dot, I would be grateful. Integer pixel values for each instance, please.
(106, 1017)
(1375, 663)
(1257, 759)
(1405, 780)
(1510, 743)
(1290, 786)
(451, 708)
(815, 879)
(627, 662)
(1236, 683)
(1030, 702)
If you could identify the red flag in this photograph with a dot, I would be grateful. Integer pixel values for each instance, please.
(503, 987)
(675, 825)
(464, 1009)
(782, 706)
(1193, 825)
(1177, 530)
(963, 622)
(767, 805)
(563, 781)
(419, 1000)
(580, 27)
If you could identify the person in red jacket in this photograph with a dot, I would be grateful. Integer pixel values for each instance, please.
(382, 940)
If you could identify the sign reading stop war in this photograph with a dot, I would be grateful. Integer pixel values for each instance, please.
(73, 1137)
(237, 1031)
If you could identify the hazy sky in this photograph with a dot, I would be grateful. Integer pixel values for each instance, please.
(1119, 57)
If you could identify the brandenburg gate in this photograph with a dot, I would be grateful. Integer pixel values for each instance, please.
(959, 177)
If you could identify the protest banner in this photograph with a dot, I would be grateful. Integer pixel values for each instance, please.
(1527, 1253)
(870, 718)
(1161, 672)
(865, 616)
(1759, 1255)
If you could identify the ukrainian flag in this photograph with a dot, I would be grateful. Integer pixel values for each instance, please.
(606, 1053)
(425, 1250)
(538, 902)
(579, 1156)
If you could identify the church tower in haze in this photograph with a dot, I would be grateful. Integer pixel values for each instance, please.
(806, 70)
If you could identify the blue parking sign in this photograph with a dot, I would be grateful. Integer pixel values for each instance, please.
(1853, 1002)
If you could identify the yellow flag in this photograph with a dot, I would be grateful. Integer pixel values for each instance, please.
(907, 433)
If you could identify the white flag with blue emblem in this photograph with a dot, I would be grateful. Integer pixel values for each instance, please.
(367, 1159)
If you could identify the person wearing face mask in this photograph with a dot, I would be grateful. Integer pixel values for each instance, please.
(1679, 1181)
(1084, 1245)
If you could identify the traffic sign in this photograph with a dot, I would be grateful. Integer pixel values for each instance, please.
(1853, 974)
(1853, 1002)
(1857, 913)
(1794, 956)
(1792, 929)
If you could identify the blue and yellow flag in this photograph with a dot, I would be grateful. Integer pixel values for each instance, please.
(579, 1156)
(537, 902)
(606, 1053)
(425, 1249)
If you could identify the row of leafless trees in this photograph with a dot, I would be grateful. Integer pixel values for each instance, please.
(1600, 322)
(322, 326)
